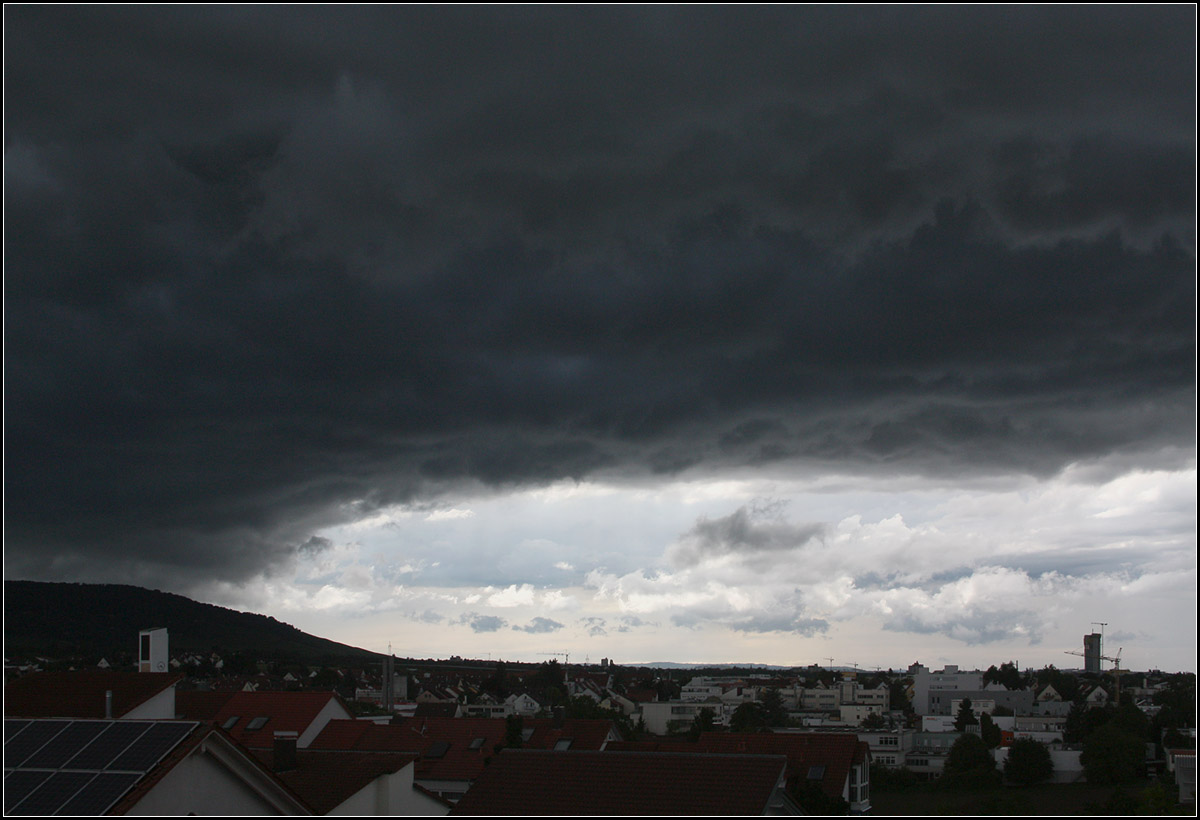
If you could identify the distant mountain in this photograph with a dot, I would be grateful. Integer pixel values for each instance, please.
(103, 620)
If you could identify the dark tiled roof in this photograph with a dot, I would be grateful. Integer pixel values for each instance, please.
(533, 782)
(81, 694)
(192, 704)
(585, 735)
(837, 753)
(448, 710)
(325, 779)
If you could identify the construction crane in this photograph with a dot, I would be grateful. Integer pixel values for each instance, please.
(1116, 662)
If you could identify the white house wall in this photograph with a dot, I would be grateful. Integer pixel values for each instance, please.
(201, 785)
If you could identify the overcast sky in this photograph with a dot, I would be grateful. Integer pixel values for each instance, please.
(770, 335)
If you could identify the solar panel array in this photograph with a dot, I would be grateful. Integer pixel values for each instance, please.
(74, 767)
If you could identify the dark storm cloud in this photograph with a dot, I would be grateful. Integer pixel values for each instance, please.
(756, 531)
(539, 626)
(481, 623)
(265, 265)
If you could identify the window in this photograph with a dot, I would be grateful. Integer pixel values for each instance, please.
(816, 772)
(562, 745)
(145, 648)
(230, 723)
(477, 743)
(889, 740)
(257, 723)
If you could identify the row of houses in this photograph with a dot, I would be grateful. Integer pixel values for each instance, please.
(97, 742)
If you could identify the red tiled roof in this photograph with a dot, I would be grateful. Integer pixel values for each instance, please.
(531, 782)
(837, 753)
(325, 779)
(585, 735)
(448, 740)
(193, 704)
(287, 712)
(81, 694)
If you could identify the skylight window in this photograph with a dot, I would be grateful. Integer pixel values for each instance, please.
(231, 722)
(477, 743)
(816, 772)
(257, 723)
(562, 745)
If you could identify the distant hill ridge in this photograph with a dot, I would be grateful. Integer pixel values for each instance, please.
(81, 620)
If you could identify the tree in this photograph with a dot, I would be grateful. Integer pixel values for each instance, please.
(772, 706)
(705, 721)
(966, 716)
(748, 717)
(989, 731)
(874, 721)
(970, 764)
(1007, 674)
(1112, 756)
(1028, 762)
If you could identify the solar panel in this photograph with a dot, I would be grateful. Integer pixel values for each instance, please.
(18, 785)
(32, 736)
(151, 747)
(81, 767)
(65, 745)
(104, 749)
(56, 790)
(100, 794)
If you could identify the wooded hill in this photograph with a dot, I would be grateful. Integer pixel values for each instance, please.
(102, 620)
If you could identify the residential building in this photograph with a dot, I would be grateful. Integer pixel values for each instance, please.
(352, 783)
(931, 689)
(839, 763)
(93, 693)
(524, 782)
(252, 718)
(95, 767)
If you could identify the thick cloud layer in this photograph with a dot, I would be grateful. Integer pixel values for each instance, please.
(268, 269)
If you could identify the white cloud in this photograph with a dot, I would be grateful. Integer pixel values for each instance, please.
(452, 514)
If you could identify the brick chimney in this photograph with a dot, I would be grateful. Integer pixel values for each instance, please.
(285, 751)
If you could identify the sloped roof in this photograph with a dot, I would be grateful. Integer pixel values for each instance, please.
(81, 694)
(835, 752)
(326, 779)
(585, 735)
(456, 748)
(534, 782)
(449, 709)
(194, 704)
(286, 712)
(450, 748)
